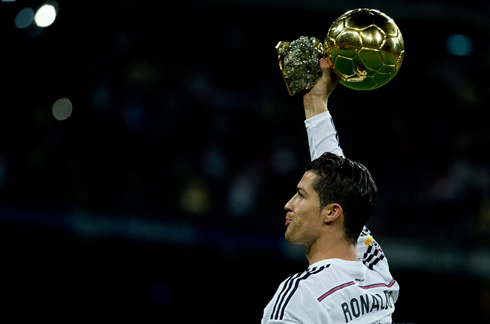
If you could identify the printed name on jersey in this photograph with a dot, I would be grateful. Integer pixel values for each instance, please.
(289, 288)
(366, 304)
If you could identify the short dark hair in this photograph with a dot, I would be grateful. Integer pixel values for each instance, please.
(349, 184)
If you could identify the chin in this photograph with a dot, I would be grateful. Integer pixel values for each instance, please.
(291, 239)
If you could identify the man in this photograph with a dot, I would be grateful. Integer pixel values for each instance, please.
(348, 279)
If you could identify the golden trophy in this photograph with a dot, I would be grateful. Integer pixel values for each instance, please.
(365, 46)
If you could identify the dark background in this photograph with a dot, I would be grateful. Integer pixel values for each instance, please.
(160, 199)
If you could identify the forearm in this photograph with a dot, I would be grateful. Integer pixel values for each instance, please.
(314, 106)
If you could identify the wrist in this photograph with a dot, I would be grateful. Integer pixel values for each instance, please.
(314, 106)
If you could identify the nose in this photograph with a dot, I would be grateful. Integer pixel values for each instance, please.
(288, 207)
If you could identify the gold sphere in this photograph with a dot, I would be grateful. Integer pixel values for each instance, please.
(366, 48)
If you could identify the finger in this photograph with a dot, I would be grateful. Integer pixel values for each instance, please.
(325, 70)
(333, 77)
(324, 65)
(329, 62)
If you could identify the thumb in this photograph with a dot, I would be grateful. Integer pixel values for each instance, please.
(325, 70)
(325, 84)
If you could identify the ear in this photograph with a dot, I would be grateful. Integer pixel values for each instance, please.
(332, 212)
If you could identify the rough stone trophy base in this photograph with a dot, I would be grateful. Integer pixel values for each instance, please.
(298, 61)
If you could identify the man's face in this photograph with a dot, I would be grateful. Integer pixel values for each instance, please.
(304, 220)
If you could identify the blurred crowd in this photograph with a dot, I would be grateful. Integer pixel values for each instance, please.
(193, 119)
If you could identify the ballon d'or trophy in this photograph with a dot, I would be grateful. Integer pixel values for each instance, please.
(365, 46)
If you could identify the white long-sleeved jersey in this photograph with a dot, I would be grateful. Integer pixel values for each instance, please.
(335, 290)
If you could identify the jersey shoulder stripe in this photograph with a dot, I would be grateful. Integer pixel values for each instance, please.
(334, 289)
(290, 286)
(392, 282)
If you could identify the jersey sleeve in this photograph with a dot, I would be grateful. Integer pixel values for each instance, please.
(322, 135)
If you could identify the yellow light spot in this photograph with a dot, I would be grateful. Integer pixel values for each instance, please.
(368, 241)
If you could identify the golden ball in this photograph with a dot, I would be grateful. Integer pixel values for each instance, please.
(366, 48)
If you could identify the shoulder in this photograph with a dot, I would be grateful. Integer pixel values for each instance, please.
(294, 293)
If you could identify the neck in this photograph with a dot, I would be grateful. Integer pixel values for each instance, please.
(323, 249)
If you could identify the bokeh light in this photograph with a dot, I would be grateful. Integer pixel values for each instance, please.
(459, 45)
(195, 198)
(45, 15)
(24, 18)
(62, 109)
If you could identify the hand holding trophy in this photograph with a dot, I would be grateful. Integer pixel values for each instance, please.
(365, 46)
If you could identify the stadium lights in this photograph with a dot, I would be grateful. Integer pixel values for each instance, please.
(46, 14)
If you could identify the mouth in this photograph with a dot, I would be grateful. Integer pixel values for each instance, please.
(288, 221)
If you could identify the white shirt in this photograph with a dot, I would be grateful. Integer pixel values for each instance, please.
(335, 290)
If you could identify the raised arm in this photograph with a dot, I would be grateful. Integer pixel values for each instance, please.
(323, 137)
